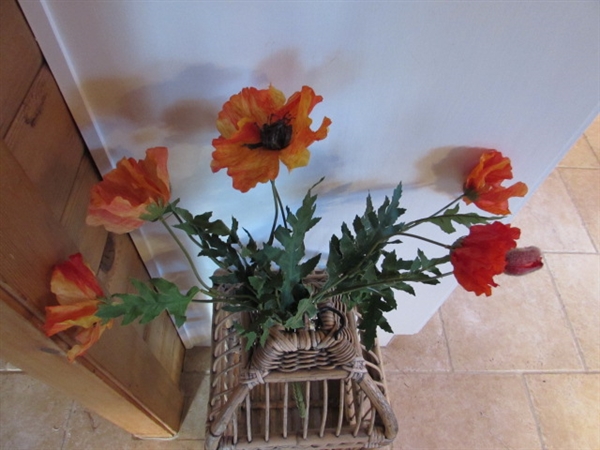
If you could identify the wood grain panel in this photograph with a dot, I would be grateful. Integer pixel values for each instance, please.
(21, 61)
(44, 140)
(90, 240)
(120, 263)
(164, 342)
(27, 347)
(131, 375)
(33, 241)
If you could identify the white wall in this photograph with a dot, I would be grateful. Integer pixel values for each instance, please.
(407, 85)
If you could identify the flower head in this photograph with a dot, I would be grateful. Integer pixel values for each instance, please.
(521, 261)
(77, 292)
(481, 255)
(120, 202)
(259, 128)
(483, 184)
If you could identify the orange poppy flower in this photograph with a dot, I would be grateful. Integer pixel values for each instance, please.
(483, 185)
(120, 202)
(481, 255)
(259, 128)
(77, 292)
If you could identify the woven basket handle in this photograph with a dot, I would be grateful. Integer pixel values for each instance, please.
(341, 315)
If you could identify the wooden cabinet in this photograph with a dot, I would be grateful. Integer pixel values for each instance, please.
(131, 376)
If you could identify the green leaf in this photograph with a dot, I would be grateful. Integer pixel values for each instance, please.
(305, 306)
(149, 302)
(451, 215)
(201, 224)
(289, 257)
(372, 317)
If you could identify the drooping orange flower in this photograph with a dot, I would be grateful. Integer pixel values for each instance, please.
(483, 184)
(74, 282)
(259, 128)
(77, 292)
(481, 255)
(121, 200)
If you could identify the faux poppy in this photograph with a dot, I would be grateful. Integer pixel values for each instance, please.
(481, 255)
(259, 129)
(77, 292)
(521, 261)
(483, 185)
(120, 202)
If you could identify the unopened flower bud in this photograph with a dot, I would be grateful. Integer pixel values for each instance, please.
(521, 261)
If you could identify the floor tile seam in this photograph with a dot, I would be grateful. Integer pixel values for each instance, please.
(574, 203)
(577, 168)
(534, 413)
(67, 431)
(441, 316)
(563, 252)
(585, 136)
(568, 321)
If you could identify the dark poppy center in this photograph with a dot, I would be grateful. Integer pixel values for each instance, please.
(274, 136)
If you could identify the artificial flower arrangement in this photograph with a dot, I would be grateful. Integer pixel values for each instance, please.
(258, 130)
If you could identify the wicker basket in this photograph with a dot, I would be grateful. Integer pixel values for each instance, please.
(342, 385)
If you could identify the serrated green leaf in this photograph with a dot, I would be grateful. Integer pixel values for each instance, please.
(308, 266)
(150, 301)
(289, 257)
(257, 284)
(451, 215)
(305, 306)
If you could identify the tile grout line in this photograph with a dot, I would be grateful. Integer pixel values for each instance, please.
(68, 426)
(585, 136)
(572, 198)
(554, 284)
(567, 319)
(446, 339)
(533, 412)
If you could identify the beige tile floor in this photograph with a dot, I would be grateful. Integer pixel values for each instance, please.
(518, 370)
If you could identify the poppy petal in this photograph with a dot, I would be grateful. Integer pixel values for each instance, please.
(483, 185)
(481, 255)
(122, 198)
(254, 127)
(73, 281)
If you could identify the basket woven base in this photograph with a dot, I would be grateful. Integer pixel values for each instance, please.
(342, 385)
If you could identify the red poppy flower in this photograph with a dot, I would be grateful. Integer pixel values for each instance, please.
(120, 202)
(77, 292)
(521, 261)
(483, 185)
(259, 128)
(481, 255)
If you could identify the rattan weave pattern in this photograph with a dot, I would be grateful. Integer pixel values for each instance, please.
(342, 384)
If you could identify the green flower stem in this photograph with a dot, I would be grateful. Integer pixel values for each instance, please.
(382, 283)
(213, 300)
(414, 223)
(276, 205)
(192, 238)
(279, 202)
(188, 257)
(358, 268)
(431, 241)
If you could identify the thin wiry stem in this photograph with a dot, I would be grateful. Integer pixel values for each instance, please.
(414, 223)
(187, 256)
(276, 205)
(431, 241)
